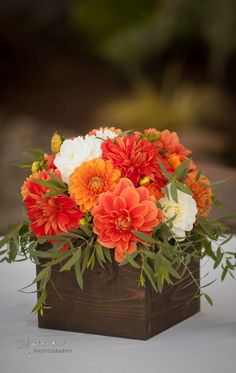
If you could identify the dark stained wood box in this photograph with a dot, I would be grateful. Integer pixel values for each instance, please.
(112, 304)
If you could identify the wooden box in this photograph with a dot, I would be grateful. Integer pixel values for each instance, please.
(112, 304)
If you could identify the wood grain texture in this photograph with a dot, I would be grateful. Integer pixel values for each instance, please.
(112, 303)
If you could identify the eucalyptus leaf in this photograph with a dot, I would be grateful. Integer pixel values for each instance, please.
(143, 236)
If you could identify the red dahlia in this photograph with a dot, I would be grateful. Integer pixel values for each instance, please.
(50, 215)
(134, 156)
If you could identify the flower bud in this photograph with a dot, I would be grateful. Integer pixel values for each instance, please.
(144, 180)
(174, 161)
(56, 142)
(35, 166)
(83, 222)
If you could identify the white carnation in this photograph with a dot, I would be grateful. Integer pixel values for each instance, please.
(105, 134)
(182, 212)
(76, 151)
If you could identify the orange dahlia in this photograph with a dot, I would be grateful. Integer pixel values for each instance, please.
(202, 194)
(90, 179)
(134, 156)
(122, 211)
(50, 215)
(168, 143)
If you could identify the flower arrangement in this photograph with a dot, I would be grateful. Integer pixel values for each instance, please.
(130, 197)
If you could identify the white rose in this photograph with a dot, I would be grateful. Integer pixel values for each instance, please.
(76, 151)
(184, 212)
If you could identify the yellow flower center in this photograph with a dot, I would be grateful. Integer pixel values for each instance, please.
(144, 180)
(96, 184)
(172, 210)
(123, 223)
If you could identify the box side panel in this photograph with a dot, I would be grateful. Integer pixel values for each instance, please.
(173, 304)
(110, 304)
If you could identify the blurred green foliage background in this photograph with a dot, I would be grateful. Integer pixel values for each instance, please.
(74, 65)
(130, 33)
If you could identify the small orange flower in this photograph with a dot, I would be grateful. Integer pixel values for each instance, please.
(202, 194)
(90, 179)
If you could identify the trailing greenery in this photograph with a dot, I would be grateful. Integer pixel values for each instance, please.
(160, 258)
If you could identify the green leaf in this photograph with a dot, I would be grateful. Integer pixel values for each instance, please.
(46, 184)
(75, 257)
(164, 171)
(53, 193)
(208, 299)
(173, 191)
(150, 274)
(87, 231)
(44, 273)
(86, 255)
(58, 181)
(183, 188)
(208, 249)
(229, 264)
(99, 252)
(78, 274)
(107, 253)
(127, 132)
(160, 283)
(150, 254)
(199, 174)
(208, 284)
(100, 262)
(132, 261)
(170, 269)
(145, 237)
(57, 237)
(40, 301)
(13, 249)
(91, 261)
(219, 257)
(181, 169)
(224, 273)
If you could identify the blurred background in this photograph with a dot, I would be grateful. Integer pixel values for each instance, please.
(75, 65)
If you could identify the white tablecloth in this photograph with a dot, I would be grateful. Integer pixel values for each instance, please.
(204, 343)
